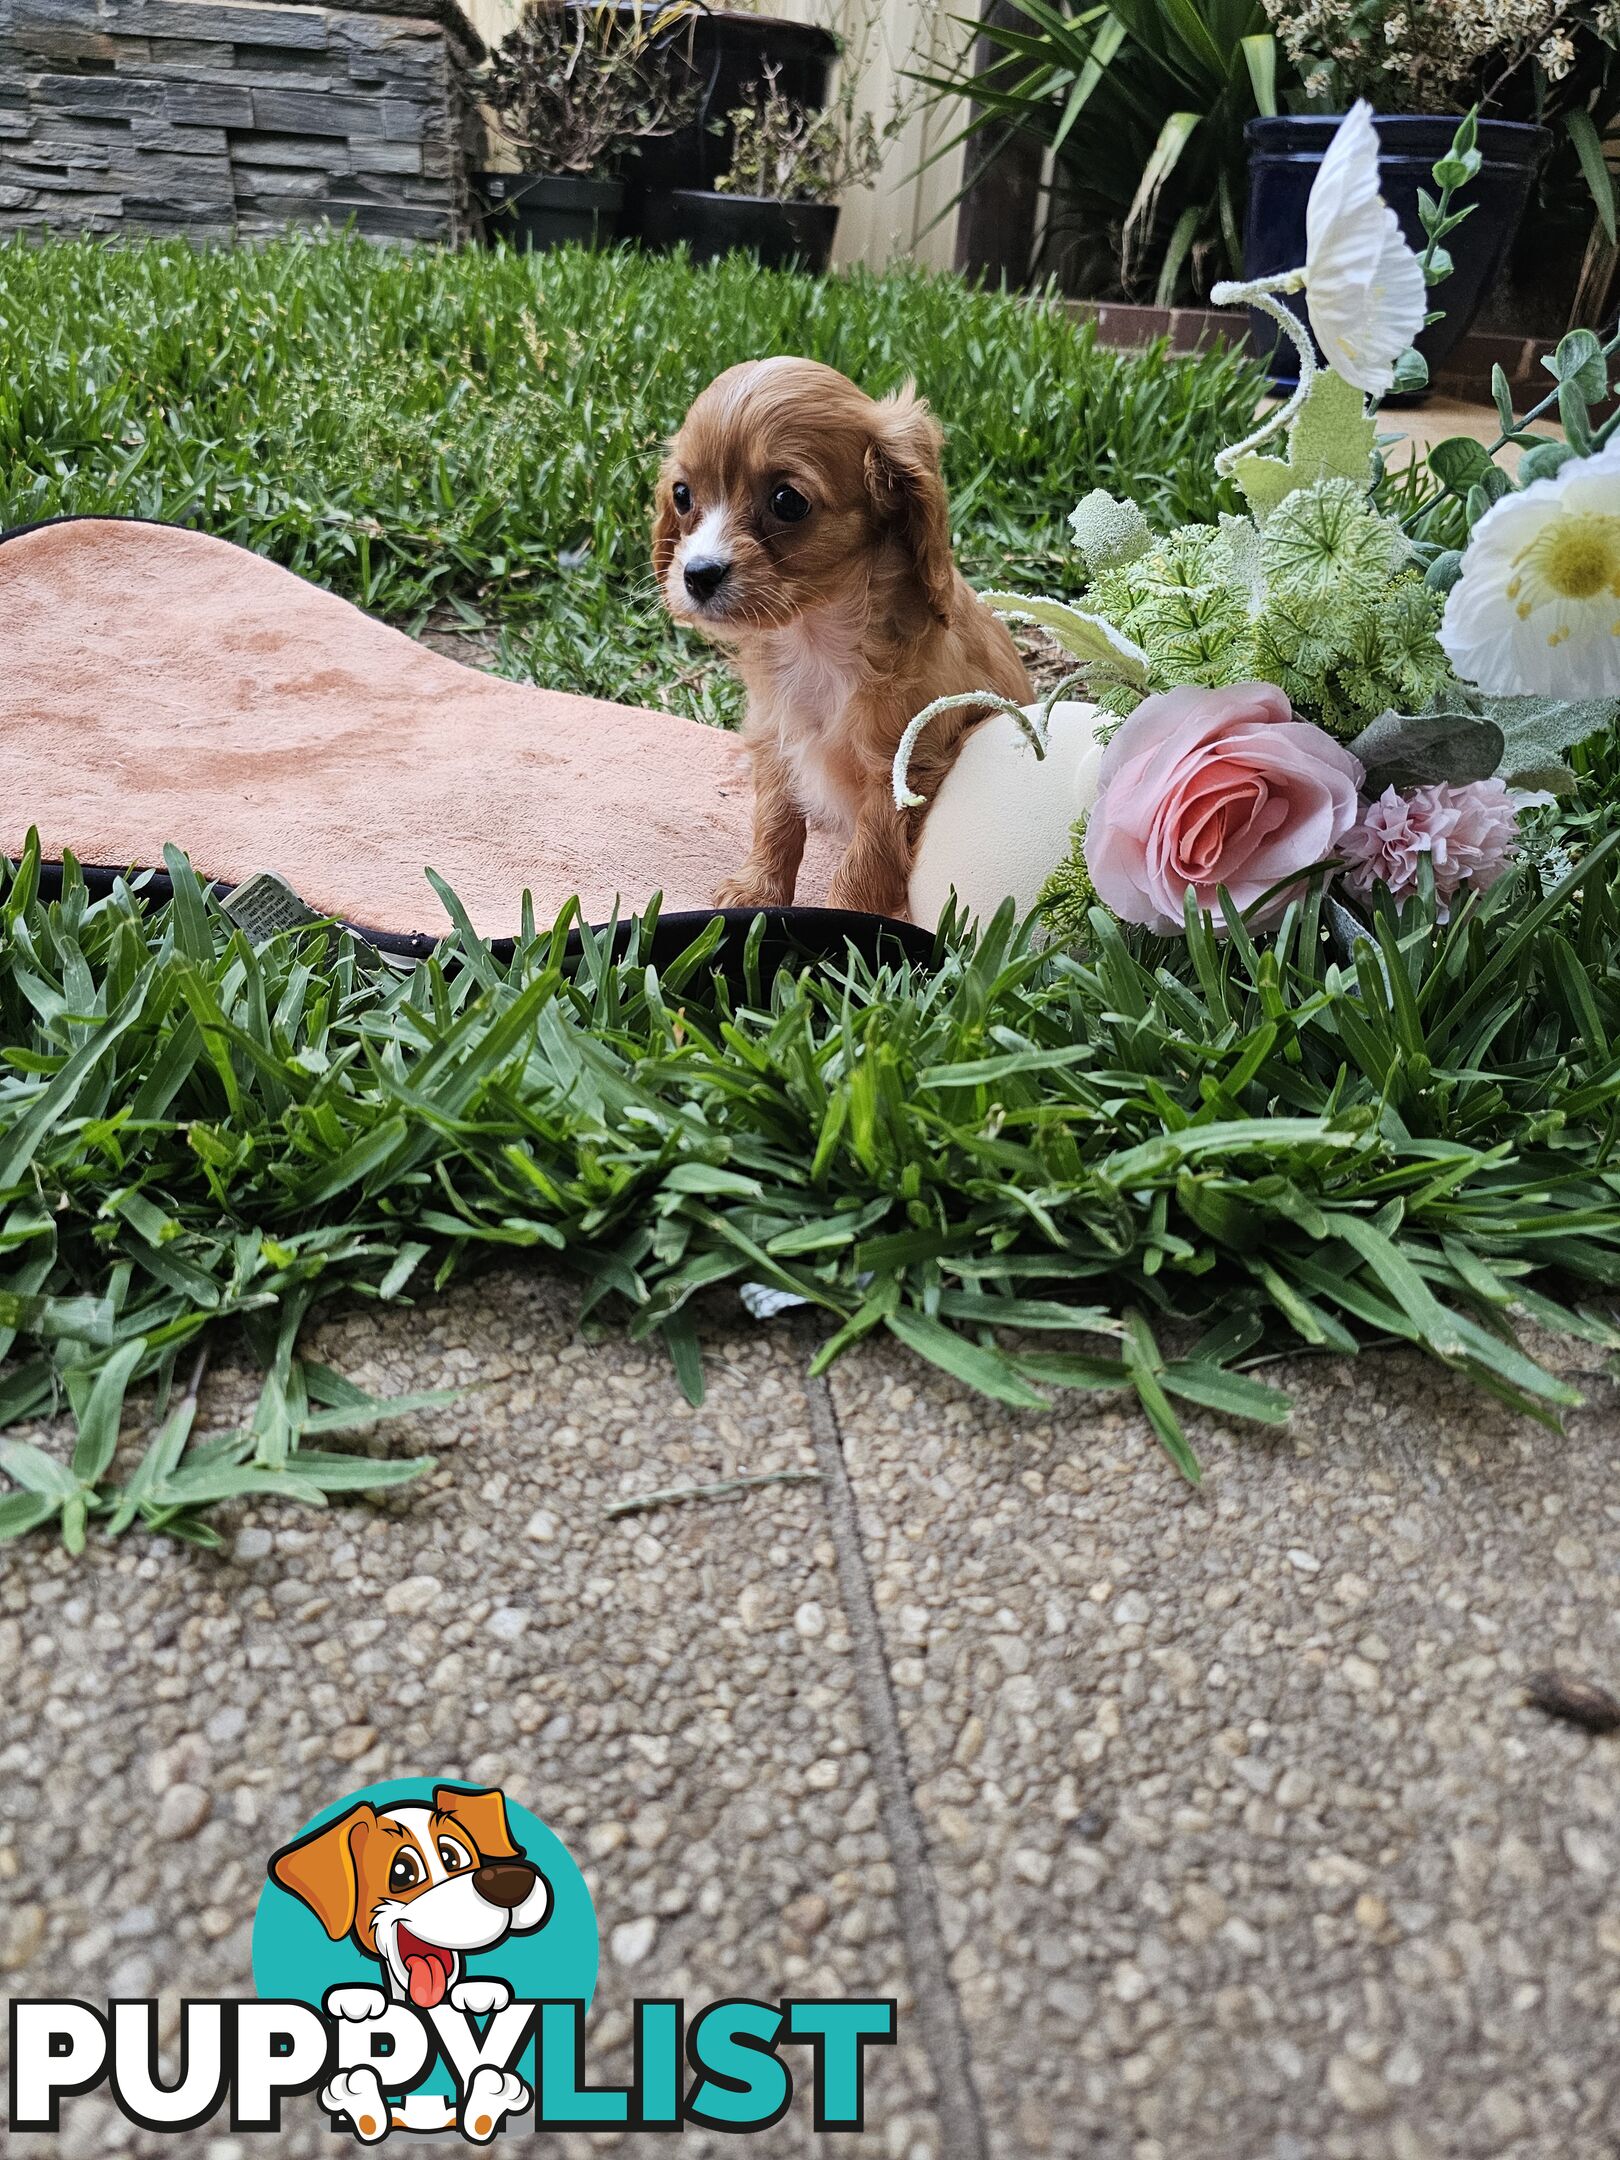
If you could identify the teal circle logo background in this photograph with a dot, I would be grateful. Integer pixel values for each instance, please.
(294, 1960)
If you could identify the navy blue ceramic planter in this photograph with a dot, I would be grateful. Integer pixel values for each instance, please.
(1284, 153)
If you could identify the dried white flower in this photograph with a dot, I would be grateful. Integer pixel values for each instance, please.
(1557, 55)
(1433, 56)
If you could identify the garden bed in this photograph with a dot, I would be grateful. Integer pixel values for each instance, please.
(1466, 373)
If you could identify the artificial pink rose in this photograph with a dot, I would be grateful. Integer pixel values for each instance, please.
(1467, 832)
(1205, 788)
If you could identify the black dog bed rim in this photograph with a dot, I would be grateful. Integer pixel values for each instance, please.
(792, 936)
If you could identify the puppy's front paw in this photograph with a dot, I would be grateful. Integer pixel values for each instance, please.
(357, 2096)
(750, 891)
(479, 1998)
(355, 2005)
(492, 2095)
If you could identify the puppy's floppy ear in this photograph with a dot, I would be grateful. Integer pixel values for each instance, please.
(666, 528)
(483, 1816)
(903, 477)
(323, 1869)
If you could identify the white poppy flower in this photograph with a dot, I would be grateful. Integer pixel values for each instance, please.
(1536, 610)
(1364, 287)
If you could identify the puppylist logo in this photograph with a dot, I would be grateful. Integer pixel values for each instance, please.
(424, 1956)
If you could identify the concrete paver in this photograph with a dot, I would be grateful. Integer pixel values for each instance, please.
(670, 1691)
(1179, 1824)
(1245, 1841)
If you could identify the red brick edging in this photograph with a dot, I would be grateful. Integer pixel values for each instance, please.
(1466, 374)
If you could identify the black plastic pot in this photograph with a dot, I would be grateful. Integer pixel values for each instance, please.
(782, 235)
(725, 55)
(1284, 154)
(547, 210)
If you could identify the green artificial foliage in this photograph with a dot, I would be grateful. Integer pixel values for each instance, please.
(1331, 438)
(1538, 733)
(1108, 532)
(1184, 606)
(1323, 601)
(1412, 750)
(1326, 542)
(1068, 896)
(1344, 666)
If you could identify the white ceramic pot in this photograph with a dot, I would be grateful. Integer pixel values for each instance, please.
(1002, 820)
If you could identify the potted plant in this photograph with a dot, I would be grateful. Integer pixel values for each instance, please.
(1543, 75)
(791, 163)
(778, 200)
(1135, 111)
(721, 53)
(576, 90)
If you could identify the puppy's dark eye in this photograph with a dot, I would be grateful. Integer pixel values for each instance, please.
(405, 1873)
(681, 496)
(788, 505)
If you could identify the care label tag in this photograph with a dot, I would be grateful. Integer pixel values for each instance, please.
(264, 904)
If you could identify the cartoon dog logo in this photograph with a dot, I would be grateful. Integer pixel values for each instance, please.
(420, 1889)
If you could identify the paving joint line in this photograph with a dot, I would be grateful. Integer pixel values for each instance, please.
(939, 2013)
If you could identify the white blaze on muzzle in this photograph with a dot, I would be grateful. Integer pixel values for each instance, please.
(707, 545)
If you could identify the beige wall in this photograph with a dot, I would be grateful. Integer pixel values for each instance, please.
(892, 218)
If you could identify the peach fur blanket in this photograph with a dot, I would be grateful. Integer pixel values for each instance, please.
(158, 685)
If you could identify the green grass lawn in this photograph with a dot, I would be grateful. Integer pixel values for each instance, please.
(479, 432)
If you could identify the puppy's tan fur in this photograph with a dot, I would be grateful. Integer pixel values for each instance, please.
(843, 625)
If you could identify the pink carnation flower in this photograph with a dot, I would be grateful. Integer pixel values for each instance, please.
(1204, 788)
(1468, 834)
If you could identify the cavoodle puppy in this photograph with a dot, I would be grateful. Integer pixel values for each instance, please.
(804, 527)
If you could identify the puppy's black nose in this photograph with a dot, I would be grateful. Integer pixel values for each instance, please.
(705, 574)
(504, 1882)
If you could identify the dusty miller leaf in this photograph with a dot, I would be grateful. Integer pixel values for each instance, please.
(1331, 438)
(1085, 637)
(1546, 780)
(1407, 750)
(1537, 730)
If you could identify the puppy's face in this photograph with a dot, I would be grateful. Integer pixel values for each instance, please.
(783, 484)
(419, 1888)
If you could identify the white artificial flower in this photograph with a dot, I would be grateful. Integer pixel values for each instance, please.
(1536, 610)
(1364, 287)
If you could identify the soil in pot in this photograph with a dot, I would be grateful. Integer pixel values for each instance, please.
(781, 235)
(1284, 154)
(547, 210)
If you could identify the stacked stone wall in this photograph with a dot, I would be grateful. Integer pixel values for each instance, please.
(226, 119)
